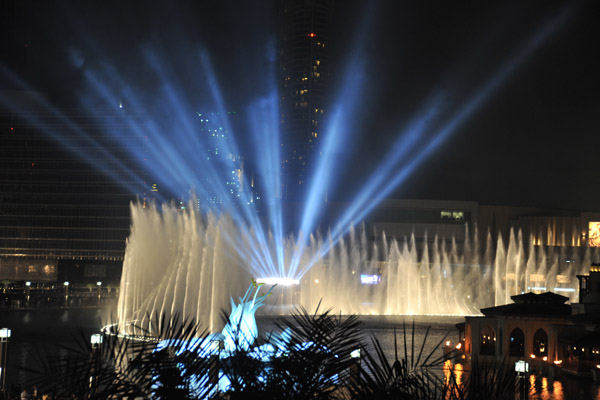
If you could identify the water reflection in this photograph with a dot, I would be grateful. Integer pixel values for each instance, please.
(65, 316)
(557, 390)
(533, 392)
(539, 387)
(544, 394)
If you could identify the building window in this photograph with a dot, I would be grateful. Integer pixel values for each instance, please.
(487, 343)
(540, 343)
(452, 215)
(517, 343)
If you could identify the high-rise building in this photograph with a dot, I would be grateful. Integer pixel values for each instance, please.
(304, 41)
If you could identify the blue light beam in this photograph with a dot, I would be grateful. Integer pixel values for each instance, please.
(472, 105)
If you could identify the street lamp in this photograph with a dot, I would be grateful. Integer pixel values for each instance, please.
(96, 340)
(522, 369)
(355, 366)
(27, 289)
(66, 284)
(99, 284)
(4, 335)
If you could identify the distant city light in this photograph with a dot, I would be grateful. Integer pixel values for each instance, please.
(312, 34)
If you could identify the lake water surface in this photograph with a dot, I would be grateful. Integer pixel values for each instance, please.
(48, 328)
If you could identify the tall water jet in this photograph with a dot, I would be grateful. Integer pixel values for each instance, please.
(188, 263)
(180, 262)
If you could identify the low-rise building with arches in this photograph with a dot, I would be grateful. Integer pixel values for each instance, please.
(520, 330)
(544, 330)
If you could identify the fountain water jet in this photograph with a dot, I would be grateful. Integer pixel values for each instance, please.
(179, 261)
(185, 262)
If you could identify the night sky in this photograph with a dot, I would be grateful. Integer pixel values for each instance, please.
(534, 141)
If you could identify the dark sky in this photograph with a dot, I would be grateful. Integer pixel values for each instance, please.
(533, 141)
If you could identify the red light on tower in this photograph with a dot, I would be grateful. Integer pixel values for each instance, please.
(312, 34)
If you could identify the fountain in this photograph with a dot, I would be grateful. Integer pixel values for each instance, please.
(179, 262)
(183, 261)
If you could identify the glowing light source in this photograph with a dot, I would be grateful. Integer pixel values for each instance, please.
(532, 356)
(312, 34)
(558, 362)
(594, 234)
(278, 281)
(521, 366)
(369, 279)
(96, 339)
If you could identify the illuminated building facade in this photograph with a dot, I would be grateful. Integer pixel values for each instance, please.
(426, 219)
(63, 214)
(304, 41)
(447, 220)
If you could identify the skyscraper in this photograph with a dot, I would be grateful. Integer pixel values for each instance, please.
(304, 40)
